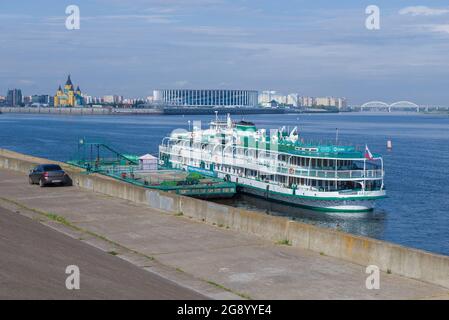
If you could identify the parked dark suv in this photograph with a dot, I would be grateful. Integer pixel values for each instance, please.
(46, 174)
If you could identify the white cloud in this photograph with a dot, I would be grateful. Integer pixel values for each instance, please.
(181, 83)
(423, 11)
(161, 19)
(444, 28)
(147, 18)
(26, 82)
(215, 31)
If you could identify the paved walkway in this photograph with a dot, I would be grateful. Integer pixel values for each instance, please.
(217, 262)
(34, 258)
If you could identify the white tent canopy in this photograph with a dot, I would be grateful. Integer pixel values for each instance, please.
(148, 162)
(148, 157)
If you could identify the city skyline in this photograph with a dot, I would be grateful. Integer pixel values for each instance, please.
(133, 47)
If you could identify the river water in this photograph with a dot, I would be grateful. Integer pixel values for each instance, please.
(415, 214)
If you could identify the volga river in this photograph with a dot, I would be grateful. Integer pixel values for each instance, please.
(415, 214)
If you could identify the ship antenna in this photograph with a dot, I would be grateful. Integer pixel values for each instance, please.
(336, 136)
(229, 122)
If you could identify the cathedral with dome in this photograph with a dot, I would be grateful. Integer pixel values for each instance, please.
(68, 97)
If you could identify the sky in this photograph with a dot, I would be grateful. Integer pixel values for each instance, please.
(314, 48)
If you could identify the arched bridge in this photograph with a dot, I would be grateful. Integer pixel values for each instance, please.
(380, 105)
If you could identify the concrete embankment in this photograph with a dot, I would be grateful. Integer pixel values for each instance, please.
(391, 258)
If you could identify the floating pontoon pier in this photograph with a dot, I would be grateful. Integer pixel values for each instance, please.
(98, 157)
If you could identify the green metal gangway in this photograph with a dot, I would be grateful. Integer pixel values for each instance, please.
(97, 156)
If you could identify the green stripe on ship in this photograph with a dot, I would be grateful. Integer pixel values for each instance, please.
(312, 208)
(315, 198)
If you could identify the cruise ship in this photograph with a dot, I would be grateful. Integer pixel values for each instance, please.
(279, 165)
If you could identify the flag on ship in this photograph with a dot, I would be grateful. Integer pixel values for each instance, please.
(368, 154)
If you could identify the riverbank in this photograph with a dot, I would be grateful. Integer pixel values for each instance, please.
(157, 111)
(234, 248)
(80, 111)
(138, 111)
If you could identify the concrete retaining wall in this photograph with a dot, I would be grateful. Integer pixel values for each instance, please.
(365, 251)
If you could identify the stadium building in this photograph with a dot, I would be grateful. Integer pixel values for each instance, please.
(206, 98)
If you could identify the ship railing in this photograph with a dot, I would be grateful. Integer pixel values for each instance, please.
(360, 192)
(275, 167)
(335, 174)
(347, 174)
(311, 173)
(278, 167)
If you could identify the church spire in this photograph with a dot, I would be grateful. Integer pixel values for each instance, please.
(69, 81)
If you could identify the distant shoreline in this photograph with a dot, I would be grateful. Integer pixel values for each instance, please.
(148, 111)
(179, 111)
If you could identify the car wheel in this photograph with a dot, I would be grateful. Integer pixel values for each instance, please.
(41, 183)
(67, 182)
(30, 181)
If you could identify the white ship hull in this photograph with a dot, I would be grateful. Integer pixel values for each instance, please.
(349, 206)
(307, 199)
